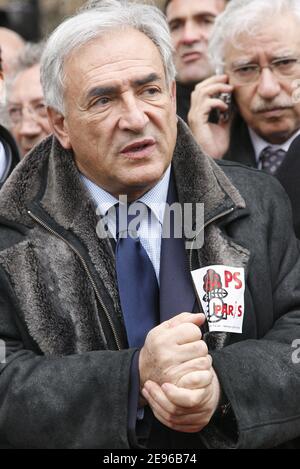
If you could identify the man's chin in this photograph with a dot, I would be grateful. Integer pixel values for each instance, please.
(193, 76)
(276, 135)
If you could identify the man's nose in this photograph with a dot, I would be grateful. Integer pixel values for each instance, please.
(190, 34)
(133, 116)
(268, 85)
(29, 125)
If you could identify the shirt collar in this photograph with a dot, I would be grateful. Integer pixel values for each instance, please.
(3, 161)
(155, 198)
(259, 144)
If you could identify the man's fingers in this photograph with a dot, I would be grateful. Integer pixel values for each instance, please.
(177, 418)
(195, 380)
(158, 400)
(210, 91)
(198, 319)
(196, 347)
(212, 80)
(197, 364)
(186, 398)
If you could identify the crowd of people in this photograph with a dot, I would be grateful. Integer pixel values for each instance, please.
(116, 334)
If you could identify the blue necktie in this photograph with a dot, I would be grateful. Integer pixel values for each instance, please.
(137, 283)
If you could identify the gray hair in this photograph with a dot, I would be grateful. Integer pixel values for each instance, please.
(29, 56)
(245, 17)
(94, 20)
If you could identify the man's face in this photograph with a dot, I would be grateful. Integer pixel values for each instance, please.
(120, 115)
(27, 111)
(267, 105)
(191, 23)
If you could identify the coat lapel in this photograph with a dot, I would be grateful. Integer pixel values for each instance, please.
(176, 288)
(48, 181)
(200, 180)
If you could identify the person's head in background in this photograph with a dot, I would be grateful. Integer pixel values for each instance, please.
(257, 45)
(11, 45)
(191, 23)
(26, 109)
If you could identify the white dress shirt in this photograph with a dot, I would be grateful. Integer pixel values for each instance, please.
(155, 199)
(3, 161)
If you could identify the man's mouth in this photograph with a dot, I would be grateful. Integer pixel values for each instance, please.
(274, 112)
(140, 148)
(191, 57)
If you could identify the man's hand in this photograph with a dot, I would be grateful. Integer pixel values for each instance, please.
(186, 408)
(212, 138)
(173, 349)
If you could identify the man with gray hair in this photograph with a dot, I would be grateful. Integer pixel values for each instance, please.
(103, 328)
(25, 107)
(255, 49)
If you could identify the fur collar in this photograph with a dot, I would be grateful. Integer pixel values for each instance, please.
(48, 175)
(48, 181)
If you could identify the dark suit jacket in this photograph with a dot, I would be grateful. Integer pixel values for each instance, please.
(241, 150)
(11, 151)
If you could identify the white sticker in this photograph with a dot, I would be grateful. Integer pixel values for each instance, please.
(221, 291)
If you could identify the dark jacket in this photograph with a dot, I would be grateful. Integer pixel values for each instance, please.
(241, 151)
(11, 151)
(183, 99)
(65, 383)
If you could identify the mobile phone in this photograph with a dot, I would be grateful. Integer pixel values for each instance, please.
(216, 115)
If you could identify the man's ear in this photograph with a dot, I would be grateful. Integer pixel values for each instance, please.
(173, 94)
(59, 127)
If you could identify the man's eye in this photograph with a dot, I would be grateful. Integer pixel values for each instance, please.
(207, 20)
(285, 64)
(151, 91)
(101, 101)
(174, 25)
(246, 70)
(14, 112)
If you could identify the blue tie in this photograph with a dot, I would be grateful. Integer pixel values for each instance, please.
(137, 283)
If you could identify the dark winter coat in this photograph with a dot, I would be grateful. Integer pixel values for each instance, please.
(65, 383)
(241, 151)
(11, 151)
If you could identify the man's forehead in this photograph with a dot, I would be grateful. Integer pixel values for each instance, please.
(27, 85)
(184, 8)
(126, 44)
(127, 59)
(279, 36)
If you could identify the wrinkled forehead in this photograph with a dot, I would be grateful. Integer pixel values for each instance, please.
(113, 45)
(26, 85)
(277, 36)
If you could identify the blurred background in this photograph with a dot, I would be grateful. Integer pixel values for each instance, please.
(35, 19)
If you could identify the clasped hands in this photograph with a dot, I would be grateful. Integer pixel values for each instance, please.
(177, 378)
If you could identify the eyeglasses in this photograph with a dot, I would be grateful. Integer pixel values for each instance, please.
(249, 73)
(37, 110)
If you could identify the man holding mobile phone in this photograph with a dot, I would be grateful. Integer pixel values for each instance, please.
(256, 47)
(191, 23)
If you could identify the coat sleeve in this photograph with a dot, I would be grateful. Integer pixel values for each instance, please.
(261, 378)
(74, 401)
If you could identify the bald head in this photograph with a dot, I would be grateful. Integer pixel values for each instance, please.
(11, 44)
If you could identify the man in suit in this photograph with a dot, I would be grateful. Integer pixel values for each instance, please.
(100, 337)
(255, 47)
(191, 23)
(9, 155)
